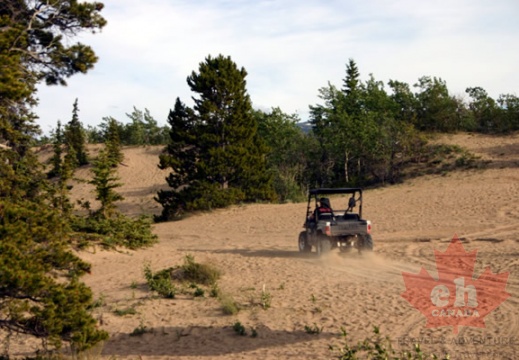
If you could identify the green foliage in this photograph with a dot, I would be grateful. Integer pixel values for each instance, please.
(43, 39)
(199, 273)
(229, 305)
(199, 292)
(265, 299)
(491, 116)
(313, 330)
(57, 146)
(288, 157)
(75, 138)
(140, 330)
(239, 328)
(215, 153)
(160, 282)
(190, 271)
(215, 291)
(40, 294)
(378, 347)
(142, 129)
(107, 225)
(364, 134)
(125, 311)
(105, 181)
(118, 230)
(37, 265)
(114, 153)
(437, 109)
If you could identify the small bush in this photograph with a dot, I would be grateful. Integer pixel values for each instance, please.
(190, 272)
(229, 306)
(204, 274)
(215, 291)
(198, 292)
(266, 299)
(314, 330)
(160, 282)
(239, 329)
(126, 311)
(140, 330)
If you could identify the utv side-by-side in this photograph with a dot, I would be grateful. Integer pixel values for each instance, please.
(328, 227)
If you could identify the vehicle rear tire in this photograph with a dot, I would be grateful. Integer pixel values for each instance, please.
(303, 244)
(323, 245)
(366, 243)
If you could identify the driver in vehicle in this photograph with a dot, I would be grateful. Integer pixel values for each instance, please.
(324, 206)
(323, 209)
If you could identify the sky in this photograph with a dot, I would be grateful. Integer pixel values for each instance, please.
(289, 48)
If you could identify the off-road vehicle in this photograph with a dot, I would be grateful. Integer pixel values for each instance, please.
(327, 227)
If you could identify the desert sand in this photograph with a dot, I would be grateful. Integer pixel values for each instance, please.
(255, 246)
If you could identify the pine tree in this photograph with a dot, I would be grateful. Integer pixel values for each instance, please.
(227, 163)
(75, 137)
(105, 181)
(352, 89)
(40, 291)
(180, 156)
(113, 142)
(57, 146)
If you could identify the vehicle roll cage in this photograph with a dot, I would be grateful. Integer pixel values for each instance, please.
(333, 191)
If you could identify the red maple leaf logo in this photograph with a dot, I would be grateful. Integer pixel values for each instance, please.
(455, 298)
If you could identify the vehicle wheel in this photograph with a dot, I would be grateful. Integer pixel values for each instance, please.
(323, 246)
(366, 243)
(304, 246)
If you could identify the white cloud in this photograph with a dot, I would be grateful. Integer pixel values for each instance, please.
(289, 48)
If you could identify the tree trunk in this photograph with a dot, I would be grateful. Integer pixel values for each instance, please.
(346, 160)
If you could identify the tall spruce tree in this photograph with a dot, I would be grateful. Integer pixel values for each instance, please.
(57, 146)
(215, 153)
(113, 142)
(75, 137)
(352, 89)
(105, 181)
(40, 291)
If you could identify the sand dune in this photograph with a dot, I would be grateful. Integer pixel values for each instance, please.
(256, 248)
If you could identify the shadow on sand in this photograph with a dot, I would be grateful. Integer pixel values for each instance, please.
(203, 341)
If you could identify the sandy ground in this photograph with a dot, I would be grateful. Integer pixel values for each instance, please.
(255, 246)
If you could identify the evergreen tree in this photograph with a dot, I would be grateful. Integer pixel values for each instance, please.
(105, 181)
(113, 142)
(75, 137)
(352, 89)
(57, 146)
(40, 291)
(227, 163)
(180, 156)
(40, 294)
